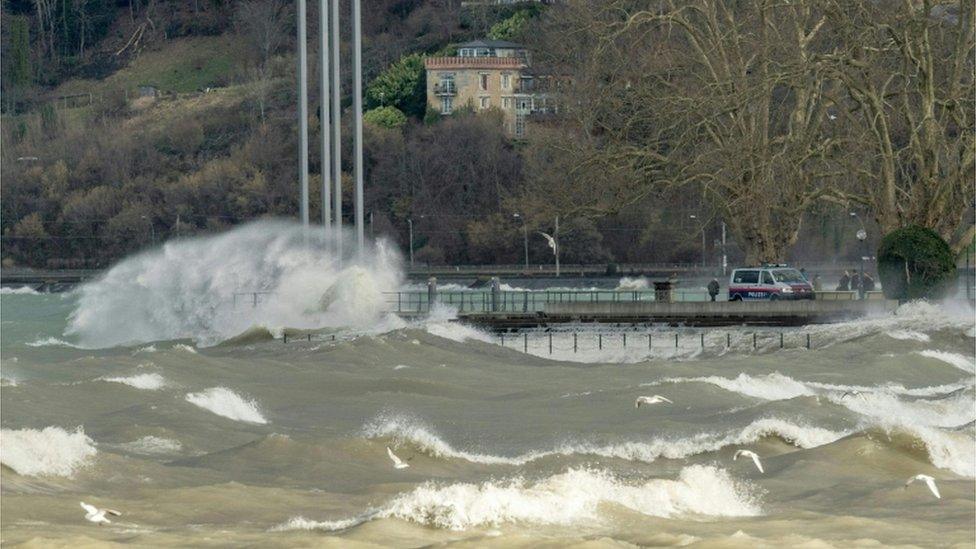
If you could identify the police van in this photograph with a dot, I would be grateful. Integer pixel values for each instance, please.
(770, 283)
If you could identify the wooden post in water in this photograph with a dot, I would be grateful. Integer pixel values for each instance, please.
(781, 340)
(625, 340)
(728, 340)
(525, 343)
(600, 341)
(808, 341)
(702, 339)
(574, 342)
(676, 340)
(550, 343)
(648, 340)
(754, 340)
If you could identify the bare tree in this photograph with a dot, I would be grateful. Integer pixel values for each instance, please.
(907, 108)
(263, 26)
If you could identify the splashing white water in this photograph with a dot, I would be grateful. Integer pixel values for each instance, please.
(52, 342)
(573, 497)
(224, 402)
(49, 451)
(909, 335)
(413, 431)
(152, 445)
(146, 382)
(954, 359)
(209, 289)
(23, 290)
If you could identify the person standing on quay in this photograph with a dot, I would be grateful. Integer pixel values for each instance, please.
(713, 289)
(845, 282)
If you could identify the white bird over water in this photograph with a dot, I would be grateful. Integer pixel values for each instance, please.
(96, 515)
(656, 399)
(749, 454)
(928, 481)
(397, 462)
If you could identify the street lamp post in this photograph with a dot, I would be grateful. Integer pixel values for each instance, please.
(410, 224)
(693, 216)
(152, 229)
(525, 239)
(862, 236)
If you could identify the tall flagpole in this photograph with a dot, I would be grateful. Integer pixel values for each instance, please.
(325, 118)
(357, 107)
(303, 114)
(336, 127)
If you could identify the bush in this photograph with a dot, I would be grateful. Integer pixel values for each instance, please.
(385, 117)
(915, 263)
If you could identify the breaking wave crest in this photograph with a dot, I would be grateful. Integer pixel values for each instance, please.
(572, 497)
(212, 288)
(226, 403)
(953, 359)
(146, 382)
(49, 451)
(416, 433)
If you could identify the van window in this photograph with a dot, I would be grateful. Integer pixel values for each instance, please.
(767, 278)
(788, 275)
(746, 277)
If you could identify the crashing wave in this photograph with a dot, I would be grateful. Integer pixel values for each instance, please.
(569, 498)
(953, 359)
(226, 403)
(49, 451)
(146, 382)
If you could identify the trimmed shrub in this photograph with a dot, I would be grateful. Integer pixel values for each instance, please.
(915, 263)
(385, 117)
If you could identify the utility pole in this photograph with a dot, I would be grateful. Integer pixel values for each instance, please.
(556, 239)
(303, 115)
(325, 118)
(357, 107)
(336, 127)
(525, 239)
(725, 260)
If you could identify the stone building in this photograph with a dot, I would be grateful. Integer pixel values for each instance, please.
(486, 74)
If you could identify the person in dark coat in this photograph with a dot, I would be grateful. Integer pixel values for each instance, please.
(855, 281)
(713, 289)
(845, 282)
(868, 283)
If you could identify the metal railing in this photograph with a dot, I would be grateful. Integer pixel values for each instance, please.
(526, 301)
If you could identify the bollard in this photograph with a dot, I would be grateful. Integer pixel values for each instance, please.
(599, 339)
(574, 342)
(525, 343)
(550, 343)
(431, 292)
(808, 341)
(781, 340)
(676, 340)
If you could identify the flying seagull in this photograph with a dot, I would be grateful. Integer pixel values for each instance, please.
(852, 393)
(550, 240)
(397, 462)
(656, 399)
(749, 454)
(929, 481)
(96, 515)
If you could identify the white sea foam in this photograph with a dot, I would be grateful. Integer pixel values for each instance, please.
(910, 335)
(147, 382)
(185, 348)
(52, 342)
(413, 431)
(186, 289)
(23, 290)
(774, 386)
(953, 359)
(146, 349)
(440, 322)
(224, 402)
(49, 451)
(152, 445)
(401, 367)
(632, 284)
(576, 496)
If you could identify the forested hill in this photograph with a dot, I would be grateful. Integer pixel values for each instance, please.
(132, 122)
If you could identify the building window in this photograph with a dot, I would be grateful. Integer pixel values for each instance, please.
(447, 105)
(520, 125)
(506, 103)
(506, 81)
(485, 102)
(483, 81)
(466, 52)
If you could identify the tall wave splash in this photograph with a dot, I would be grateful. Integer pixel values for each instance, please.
(204, 288)
(572, 497)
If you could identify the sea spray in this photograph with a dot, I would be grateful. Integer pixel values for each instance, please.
(146, 382)
(50, 451)
(224, 402)
(576, 496)
(208, 289)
